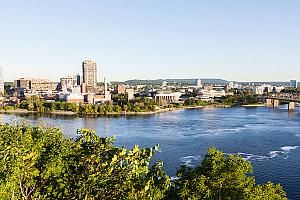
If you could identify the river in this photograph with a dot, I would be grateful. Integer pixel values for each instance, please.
(268, 138)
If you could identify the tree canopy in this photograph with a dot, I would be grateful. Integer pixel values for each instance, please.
(39, 162)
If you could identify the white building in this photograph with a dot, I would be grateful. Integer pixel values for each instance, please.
(230, 86)
(259, 90)
(199, 83)
(207, 95)
(167, 97)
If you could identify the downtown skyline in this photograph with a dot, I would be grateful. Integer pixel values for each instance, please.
(241, 41)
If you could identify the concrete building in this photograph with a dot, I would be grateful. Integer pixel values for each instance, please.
(42, 85)
(74, 98)
(293, 83)
(69, 82)
(23, 83)
(207, 95)
(229, 86)
(198, 83)
(130, 93)
(167, 97)
(89, 73)
(120, 89)
(35, 86)
(259, 90)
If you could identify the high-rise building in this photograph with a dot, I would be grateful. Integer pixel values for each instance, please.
(1, 82)
(198, 83)
(89, 73)
(293, 83)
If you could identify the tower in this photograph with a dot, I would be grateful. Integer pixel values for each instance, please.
(89, 73)
(198, 83)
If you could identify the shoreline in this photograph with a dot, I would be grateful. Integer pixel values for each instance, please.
(124, 113)
(70, 113)
(254, 105)
(23, 111)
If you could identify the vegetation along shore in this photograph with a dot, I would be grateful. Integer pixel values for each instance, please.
(137, 106)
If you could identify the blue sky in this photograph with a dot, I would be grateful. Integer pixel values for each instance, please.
(231, 39)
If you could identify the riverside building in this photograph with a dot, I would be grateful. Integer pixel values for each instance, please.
(89, 73)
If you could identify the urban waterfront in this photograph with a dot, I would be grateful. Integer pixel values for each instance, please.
(269, 138)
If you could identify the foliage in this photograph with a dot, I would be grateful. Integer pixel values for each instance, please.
(121, 105)
(222, 177)
(241, 98)
(38, 162)
(194, 102)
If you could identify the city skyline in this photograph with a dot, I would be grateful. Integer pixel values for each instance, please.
(240, 41)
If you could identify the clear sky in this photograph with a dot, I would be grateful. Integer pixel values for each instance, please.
(149, 39)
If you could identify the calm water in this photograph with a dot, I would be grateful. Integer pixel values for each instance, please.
(269, 138)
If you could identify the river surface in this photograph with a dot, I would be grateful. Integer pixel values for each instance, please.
(268, 138)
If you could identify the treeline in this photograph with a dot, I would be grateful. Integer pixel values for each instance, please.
(239, 99)
(38, 162)
(121, 105)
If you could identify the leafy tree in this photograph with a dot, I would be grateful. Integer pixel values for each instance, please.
(117, 108)
(220, 177)
(95, 108)
(88, 108)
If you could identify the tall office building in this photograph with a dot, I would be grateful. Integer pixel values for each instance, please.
(89, 73)
(198, 83)
(293, 83)
(1, 82)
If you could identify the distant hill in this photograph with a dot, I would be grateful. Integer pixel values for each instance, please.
(178, 81)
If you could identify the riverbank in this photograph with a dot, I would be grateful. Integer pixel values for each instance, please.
(24, 111)
(124, 113)
(149, 112)
(70, 113)
(254, 105)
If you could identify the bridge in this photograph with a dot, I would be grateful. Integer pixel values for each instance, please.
(274, 101)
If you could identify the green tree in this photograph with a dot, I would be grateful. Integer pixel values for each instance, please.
(117, 108)
(220, 177)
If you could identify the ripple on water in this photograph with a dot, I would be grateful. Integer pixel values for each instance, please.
(285, 150)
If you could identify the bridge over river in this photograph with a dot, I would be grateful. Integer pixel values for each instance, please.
(274, 101)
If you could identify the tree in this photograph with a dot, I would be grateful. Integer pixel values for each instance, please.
(220, 177)
(97, 169)
(41, 163)
(95, 108)
(117, 108)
